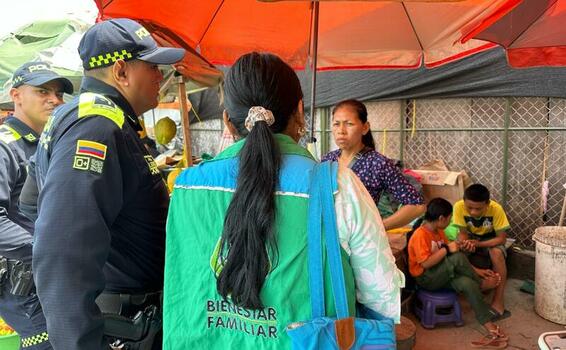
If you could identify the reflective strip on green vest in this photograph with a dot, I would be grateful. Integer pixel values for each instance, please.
(195, 315)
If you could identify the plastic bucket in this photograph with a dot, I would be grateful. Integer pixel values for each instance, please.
(550, 273)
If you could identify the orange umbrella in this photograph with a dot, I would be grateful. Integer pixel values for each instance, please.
(533, 33)
(337, 34)
(352, 34)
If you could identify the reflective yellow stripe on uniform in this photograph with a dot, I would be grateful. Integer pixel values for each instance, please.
(8, 134)
(34, 340)
(93, 104)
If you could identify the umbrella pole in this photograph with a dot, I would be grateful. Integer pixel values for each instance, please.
(183, 106)
(313, 58)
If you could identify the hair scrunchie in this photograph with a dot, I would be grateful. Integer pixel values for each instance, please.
(257, 114)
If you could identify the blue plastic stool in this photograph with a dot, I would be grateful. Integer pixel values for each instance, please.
(440, 306)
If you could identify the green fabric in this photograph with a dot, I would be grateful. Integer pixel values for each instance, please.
(27, 42)
(384, 206)
(456, 272)
(195, 314)
(452, 231)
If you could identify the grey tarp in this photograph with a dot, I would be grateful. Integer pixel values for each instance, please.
(482, 75)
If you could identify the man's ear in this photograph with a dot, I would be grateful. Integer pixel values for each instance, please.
(15, 95)
(120, 72)
(229, 125)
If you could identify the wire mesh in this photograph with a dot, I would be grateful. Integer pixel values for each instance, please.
(507, 144)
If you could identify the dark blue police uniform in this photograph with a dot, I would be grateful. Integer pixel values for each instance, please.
(19, 305)
(100, 233)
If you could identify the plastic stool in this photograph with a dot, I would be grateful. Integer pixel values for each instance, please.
(440, 306)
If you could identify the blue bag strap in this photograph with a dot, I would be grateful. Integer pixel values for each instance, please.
(328, 183)
(314, 245)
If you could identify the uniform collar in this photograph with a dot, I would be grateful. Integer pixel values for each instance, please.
(27, 133)
(90, 84)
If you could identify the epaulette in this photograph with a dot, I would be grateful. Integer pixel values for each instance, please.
(8, 134)
(91, 104)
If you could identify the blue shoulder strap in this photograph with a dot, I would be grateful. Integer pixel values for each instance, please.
(328, 179)
(314, 246)
(322, 214)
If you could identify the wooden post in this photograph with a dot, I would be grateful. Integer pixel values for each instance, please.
(563, 212)
(184, 106)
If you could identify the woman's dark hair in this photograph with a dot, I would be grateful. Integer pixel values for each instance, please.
(477, 193)
(256, 79)
(362, 113)
(436, 208)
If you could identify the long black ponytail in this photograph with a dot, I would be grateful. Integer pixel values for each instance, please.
(248, 238)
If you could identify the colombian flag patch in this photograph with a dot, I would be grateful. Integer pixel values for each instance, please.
(91, 149)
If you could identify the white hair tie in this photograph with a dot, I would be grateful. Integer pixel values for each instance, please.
(256, 114)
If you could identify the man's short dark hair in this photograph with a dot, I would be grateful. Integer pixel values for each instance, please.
(477, 193)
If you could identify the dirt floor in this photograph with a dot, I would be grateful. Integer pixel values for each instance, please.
(523, 327)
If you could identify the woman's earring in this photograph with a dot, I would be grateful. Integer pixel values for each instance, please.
(301, 131)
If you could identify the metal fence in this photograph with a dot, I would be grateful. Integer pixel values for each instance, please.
(511, 145)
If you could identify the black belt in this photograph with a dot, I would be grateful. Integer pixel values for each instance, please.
(127, 304)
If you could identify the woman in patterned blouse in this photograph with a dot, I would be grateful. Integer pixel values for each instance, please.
(351, 131)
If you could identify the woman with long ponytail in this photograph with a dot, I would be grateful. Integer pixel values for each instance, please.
(236, 257)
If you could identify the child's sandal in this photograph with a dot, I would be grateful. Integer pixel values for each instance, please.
(489, 341)
(499, 334)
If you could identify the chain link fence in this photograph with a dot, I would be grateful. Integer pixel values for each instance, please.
(511, 145)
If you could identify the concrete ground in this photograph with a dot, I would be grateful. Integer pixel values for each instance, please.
(523, 327)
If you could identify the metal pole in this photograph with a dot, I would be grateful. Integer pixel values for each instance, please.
(313, 58)
(324, 117)
(402, 109)
(507, 121)
(183, 105)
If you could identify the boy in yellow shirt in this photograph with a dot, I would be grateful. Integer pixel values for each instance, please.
(482, 223)
(436, 263)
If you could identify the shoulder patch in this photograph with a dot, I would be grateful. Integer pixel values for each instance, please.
(91, 148)
(8, 135)
(91, 104)
(89, 156)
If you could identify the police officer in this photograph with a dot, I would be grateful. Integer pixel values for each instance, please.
(36, 91)
(100, 232)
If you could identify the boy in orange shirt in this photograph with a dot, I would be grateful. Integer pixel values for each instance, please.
(437, 264)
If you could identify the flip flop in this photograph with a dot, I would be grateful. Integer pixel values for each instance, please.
(499, 316)
(489, 342)
(497, 333)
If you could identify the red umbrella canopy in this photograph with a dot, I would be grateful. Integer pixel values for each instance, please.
(352, 34)
(533, 33)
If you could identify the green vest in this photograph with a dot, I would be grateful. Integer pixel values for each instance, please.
(195, 316)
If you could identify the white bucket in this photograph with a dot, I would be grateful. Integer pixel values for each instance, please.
(550, 273)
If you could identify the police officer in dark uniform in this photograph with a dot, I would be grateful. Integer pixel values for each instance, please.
(98, 255)
(36, 91)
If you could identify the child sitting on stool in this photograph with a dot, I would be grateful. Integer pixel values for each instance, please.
(437, 264)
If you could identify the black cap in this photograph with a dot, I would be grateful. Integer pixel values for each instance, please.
(122, 38)
(39, 73)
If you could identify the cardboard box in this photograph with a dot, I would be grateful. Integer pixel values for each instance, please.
(439, 181)
(449, 185)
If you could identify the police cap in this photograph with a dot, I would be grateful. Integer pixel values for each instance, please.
(122, 38)
(38, 73)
